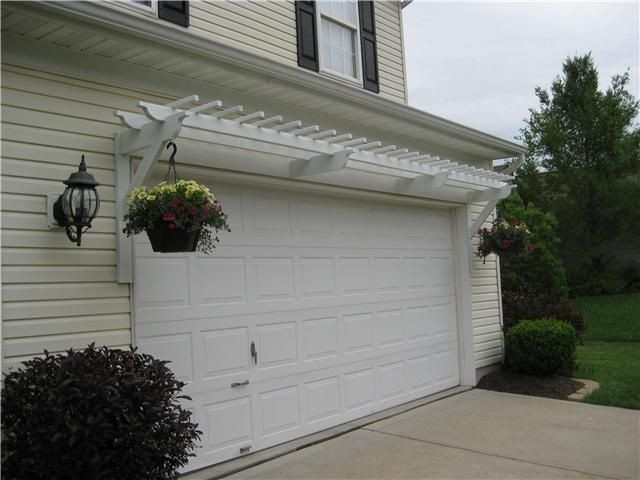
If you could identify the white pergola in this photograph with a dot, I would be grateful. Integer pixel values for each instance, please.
(312, 151)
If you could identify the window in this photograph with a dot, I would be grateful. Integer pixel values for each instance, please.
(339, 38)
(339, 46)
(148, 4)
(174, 12)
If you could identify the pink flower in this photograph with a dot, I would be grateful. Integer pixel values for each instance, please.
(175, 202)
(169, 217)
(506, 243)
(172, 226)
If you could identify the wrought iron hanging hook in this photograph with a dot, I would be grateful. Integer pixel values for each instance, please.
(172, 159)
(172, 162)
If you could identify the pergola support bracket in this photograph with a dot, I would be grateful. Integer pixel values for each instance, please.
(492, 197)
(152, 137)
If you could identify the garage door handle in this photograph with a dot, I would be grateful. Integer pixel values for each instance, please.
(239, 384)
(254, 353)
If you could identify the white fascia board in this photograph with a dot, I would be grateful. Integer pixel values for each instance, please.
(162, 33)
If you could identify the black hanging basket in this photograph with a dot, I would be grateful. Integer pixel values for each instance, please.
(166, 240)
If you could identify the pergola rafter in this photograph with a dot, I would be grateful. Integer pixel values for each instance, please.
(314, 152)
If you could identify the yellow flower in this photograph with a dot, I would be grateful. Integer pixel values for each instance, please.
(151, 198)
(142, 195)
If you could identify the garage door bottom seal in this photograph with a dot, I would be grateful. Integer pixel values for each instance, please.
(235, 465)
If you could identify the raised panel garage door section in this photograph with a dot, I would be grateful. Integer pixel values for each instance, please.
(349, 304)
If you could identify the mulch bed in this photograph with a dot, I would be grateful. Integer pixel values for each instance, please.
(551, 386)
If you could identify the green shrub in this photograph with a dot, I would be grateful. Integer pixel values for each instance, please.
(540, 268)
(517, 306)
(541, 347)
(585, 283)
(631, 275)
(94, 414)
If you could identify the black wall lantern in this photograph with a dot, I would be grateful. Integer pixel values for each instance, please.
(76, 208)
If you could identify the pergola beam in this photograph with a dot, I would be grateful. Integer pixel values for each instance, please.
(314, 152)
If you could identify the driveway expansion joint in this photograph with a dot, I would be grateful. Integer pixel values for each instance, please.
(496, 455)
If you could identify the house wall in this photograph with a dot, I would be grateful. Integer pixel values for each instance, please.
(56, 295)
(391, 65)
(269, 29)
(485, 302)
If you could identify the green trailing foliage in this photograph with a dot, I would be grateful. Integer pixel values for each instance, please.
(541, 347)
(538, 269)
(518, 306)
(98, 413)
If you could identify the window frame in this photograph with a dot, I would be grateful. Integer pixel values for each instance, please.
(323, 69)
(153, 8)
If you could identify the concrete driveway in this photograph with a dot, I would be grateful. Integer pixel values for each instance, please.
(476, 434)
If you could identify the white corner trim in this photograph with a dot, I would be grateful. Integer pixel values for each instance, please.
(463, 296)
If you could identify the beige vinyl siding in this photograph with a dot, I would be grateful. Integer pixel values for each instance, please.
(268, 28)
(391, 68)
(485, 304)
(56, 295)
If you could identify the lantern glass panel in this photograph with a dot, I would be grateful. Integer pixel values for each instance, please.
(67, 205)
(89, 205)
(77, 207)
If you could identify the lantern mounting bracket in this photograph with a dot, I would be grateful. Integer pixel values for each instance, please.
(52, 223)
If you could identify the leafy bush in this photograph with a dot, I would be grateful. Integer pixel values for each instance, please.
(612, 283)
(541, 347)
(631, 275)
(94, 414)
(540, 269)
(588, 283)
(517, 306)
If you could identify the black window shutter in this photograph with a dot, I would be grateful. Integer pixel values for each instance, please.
(307, 37)
(368, 45)
(174, 12)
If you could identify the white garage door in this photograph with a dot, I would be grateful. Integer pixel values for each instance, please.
(350, 306)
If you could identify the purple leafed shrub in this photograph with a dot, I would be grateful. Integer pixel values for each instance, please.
(98, 413)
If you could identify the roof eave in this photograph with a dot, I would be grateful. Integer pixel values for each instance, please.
(175, 37)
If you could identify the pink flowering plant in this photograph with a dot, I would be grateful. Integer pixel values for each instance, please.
(185, 205)
(503, 238)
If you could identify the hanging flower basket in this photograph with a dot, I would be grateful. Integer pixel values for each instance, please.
(180, 217)
(504, 239)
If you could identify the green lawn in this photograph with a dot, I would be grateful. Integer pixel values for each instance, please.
(611, 318)
(611, 350)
